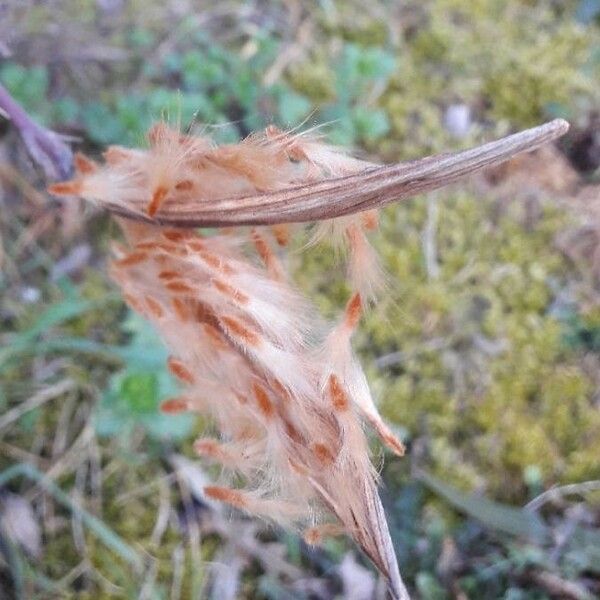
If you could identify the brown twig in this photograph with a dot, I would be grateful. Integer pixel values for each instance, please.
(565, 490)
(559, 587)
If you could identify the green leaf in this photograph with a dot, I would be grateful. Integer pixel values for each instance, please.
(139, 392)
(27, 342)
(12, 76)
(134, 394)
(370, 124)
(175, 427)
(101, 124)
(583, 550)
(141, 38)
(292, 107)
(134, 118)
(192, 66)
(29, 87)
(500, 517)
(65, 110)
(429, 588)
(108, 422)
(343, 131)
(133, 400)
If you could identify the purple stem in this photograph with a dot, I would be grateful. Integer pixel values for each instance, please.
(45, 147)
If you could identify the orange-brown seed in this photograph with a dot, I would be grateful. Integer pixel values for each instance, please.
(181, 309)
(370, 219)
(314, 535)
(215, 262)
(179, 287)
(206, 447)
(264, 402)
(223, 494)
(160, 193)
(173, 406)
(240, 332)
(338, 396)
(180, 370)
(134, 303)
(133, 258)
(353, 311)
(114, 155)
(83, 164)
(394, 444)
(323, 454)
(154, 307)
(216, 337)
(196, 245)
(175, 236)
(65, 188)
(281, 233)
(230, 291)
(168, 275)
(184, 186)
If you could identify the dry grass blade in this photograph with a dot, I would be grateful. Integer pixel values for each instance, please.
(369, 189)
(44, 395)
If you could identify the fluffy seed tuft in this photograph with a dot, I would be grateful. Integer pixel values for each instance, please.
(252, 353)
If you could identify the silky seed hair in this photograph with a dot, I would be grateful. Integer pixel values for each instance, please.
(287, 396)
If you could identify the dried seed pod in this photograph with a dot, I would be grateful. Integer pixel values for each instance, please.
(242, 186)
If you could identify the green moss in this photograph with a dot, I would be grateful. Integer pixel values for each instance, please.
(314, 79)
(544, 67)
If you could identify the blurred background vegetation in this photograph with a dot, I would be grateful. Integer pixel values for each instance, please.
(484, 352)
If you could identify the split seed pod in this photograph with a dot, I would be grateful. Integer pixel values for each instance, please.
(287, 396)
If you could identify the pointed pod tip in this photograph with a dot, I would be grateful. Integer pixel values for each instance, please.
(561, 126)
